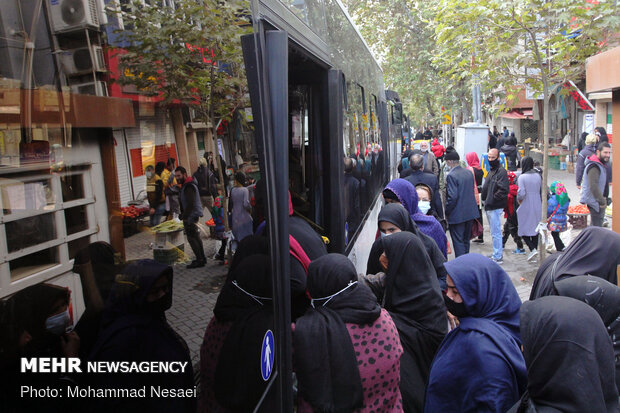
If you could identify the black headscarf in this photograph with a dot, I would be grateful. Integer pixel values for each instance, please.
(527, 165)
(135, 329)
(329, 378)
(238, 381)
(569, 356)
(593, 252)
(398, 215)
(413, 298)
(604, 297)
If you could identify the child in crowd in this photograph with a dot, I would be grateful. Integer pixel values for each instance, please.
(557, 207)
(511, 226)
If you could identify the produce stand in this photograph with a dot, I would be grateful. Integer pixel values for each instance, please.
(132, 217)
(169, 245)
(578, 216)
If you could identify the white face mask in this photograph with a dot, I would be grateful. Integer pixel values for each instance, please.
(384, 234)
(57, 324)
(424, 206)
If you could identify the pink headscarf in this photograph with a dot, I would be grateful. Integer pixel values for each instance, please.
(472, 160)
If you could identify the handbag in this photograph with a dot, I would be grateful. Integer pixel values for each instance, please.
(476, 229)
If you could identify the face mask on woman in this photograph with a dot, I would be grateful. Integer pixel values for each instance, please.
(57, 324)
(424, 206)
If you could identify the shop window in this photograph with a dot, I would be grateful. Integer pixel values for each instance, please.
(76, 219)
(30, 231)
(26, 195)
(45, 219)
(72, 187)
(33, 263)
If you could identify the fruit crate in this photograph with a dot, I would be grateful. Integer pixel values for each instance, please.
(578, 221)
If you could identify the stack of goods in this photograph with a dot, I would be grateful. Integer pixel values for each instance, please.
(131, 215)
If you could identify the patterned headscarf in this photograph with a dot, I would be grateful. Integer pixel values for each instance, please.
(558, 189)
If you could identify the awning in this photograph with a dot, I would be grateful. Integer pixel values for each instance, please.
(582, 101)
(513, 114)
(528, 113)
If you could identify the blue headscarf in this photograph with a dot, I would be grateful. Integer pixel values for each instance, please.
(408, 197)
(480, 361)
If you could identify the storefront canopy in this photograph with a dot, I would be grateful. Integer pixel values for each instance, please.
(513, 114)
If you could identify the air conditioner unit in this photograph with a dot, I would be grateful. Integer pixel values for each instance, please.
(79, 61)
(71, 15)
(97, 88)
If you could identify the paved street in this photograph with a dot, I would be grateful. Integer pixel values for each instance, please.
(196, 290)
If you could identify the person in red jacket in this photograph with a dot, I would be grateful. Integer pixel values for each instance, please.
(438, 150)
(511, 226)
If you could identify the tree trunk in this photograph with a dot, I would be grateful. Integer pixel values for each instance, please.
(543, 192)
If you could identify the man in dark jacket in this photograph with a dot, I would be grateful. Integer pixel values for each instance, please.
(206, 182)
(191, 210)
(461, 208)
(588, 150)
(419, 176)
(495, 195)
(351, 198)
(595, 184)
(512, 153)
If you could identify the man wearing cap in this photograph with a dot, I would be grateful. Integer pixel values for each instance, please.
(461, 208)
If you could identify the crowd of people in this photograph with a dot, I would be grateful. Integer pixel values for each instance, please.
(413, 333)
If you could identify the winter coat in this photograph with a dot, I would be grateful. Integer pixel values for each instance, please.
(437, 148)
(585, 153)
(191, 206)
(594, 197)
(495, 189)
(557, 223)
(512, 156)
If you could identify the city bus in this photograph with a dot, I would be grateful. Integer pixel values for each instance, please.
(317, 97)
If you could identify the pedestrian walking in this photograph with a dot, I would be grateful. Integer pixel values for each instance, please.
(191, 211)
(602, 296)
(588, 150)
(401, 191)
(207, 184)
(557, 207)
(530, 205)
(511, 226)
(479, 360)
(430, 163)
(461, 207)
(495, 195)
(492, 141)
(413, 299)
(171, 189)
(512, 154)
(343, 372)
(596, 185)
(594, 251)
(473, 164)
(419, 176)
(155, 193)
(569, 358)
(241, 209)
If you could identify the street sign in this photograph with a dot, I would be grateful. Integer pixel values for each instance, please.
(266, 355)
(447, 120)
